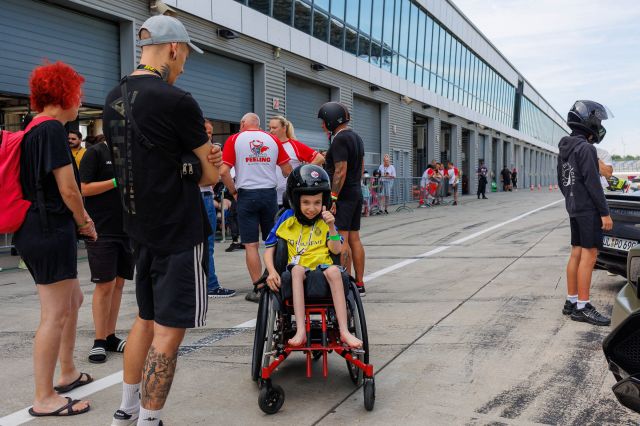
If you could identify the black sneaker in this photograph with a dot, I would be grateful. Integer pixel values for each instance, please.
(361, 289)
(221, 293)
(234, 246)
(591, 315)
(121, 418)
(455, 203)
(568, 308)
(252, 296)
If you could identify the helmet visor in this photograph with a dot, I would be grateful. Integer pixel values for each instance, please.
(591, 108)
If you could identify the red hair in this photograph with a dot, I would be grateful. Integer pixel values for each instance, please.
(55, 84)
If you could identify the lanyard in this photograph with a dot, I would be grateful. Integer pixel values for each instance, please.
(149, 68)
(298, 249)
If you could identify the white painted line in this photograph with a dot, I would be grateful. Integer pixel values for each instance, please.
(22, 416)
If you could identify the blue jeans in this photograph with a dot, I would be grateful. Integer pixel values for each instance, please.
(212, 278)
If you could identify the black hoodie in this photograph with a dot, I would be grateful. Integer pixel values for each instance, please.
(579, 177)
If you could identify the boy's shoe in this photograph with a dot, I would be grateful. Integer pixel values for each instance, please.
(221, 292)
(591, 315)
(361, 289)
(568, 307)
(120, 418)
(252, 296)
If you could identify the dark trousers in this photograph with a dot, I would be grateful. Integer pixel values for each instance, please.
(233, 220)
(482, 186)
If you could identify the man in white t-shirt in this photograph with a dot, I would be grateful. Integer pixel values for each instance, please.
(605, 166)
(387, 176)
(255, 154)
(453, 175)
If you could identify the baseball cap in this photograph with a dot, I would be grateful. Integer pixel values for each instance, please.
(166, 29)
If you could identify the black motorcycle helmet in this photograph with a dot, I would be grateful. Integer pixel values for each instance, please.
(334, 114)
(587, 116)
(307, 179)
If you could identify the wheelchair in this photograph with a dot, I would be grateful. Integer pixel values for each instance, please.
(275, 326)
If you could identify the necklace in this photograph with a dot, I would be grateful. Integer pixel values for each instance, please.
(149, 68)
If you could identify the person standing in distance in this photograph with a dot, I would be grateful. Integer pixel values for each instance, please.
(586, 204)
(388, 175)
(153, 128)
(482, 180)
(255, 154)
(298, 152)
(345, 164)
(75, 143)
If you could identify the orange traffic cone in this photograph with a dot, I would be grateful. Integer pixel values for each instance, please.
(532, 187)
(539, 187)
(550, 187)
(556, 186)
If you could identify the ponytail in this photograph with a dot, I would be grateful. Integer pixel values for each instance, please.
(288, 126)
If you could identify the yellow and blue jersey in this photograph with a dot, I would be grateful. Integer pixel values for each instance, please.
(308, 242)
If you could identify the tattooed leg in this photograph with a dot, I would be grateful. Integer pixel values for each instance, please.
(345, 255)
(160, 367)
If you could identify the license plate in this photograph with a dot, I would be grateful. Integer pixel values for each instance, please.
(618, 243)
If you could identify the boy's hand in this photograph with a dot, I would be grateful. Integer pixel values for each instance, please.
(328, 218)
(273, 281)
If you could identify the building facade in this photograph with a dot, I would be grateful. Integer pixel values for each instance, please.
(421, 81)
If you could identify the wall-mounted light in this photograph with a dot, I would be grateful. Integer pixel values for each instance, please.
(227, 33)
(374, 88)
(407, 100)
(451, 115)
(425, 106)
(276, 52)
(159, 7)
(318, 67)
(470, 123)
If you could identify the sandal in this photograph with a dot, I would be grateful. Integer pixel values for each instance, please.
(116, 345)
(59, 412)
(97, 355)
(75, 384)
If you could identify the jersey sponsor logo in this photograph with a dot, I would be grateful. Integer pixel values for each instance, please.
(258, 152)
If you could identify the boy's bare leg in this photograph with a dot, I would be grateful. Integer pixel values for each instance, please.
(160, 366)
(585, 270)
(297, 284)
(334, 277)
(572, 270)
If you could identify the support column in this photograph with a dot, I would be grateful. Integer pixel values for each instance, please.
(456, 149)
(499, 163)
(473, 162)
(433, 139)
(488, 157)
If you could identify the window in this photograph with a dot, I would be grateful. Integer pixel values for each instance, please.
(411, 70)
(320, 25)
(352, 13)
(364, 47)
(402, 67)
(365, 16)
(351, 41)
(302, 18)
(396, 24)
(282, 10)
(440, 55)
(413, 32)
(447, 57)
(260, 6)
(377, 20)
(428, 48)
(376, 53)
(337, 9)
(386, 59)
(419, 73)
(337, 34)
(404, 29)
(387, 36)
(420, 47)
(321, 4)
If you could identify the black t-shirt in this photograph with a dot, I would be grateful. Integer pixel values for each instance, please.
(506, 175)
(347, 146)
(163, 211)
(105, 209)
(44, 149)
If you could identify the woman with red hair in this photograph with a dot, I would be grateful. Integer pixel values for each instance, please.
(47, 240)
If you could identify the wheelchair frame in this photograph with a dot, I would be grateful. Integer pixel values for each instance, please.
(274, 326)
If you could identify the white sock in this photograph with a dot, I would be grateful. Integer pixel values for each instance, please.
(130, 398)
(572, 299)
(149, 417)
(582, 303)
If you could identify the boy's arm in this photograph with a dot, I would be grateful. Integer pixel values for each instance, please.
(273, 280)
(335, 246)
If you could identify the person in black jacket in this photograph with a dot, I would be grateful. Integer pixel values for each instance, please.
(586, 204)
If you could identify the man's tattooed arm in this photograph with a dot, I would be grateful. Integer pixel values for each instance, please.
(159, 369)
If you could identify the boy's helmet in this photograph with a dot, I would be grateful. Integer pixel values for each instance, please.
(308, 179)
(334, 114)
(587, 116)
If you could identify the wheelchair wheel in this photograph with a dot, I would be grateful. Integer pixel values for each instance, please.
(358, 326)
(271, 330)
(271, 398)
(369, 390)
(259, 336)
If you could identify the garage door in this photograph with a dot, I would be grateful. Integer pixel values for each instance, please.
(222, 86)
(366, 122)
(34, 31)
(303, 101)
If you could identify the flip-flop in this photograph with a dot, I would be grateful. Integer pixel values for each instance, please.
(75, 384)
(59, 412)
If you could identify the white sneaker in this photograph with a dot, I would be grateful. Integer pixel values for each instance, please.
(121, 418)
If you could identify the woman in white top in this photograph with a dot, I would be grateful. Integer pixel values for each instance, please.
(299, 153)
(387, 176)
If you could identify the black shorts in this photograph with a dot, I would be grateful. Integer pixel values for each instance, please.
(586, 231)
(348, 213)
(171, 289)
(50, 256)
(110, 258)
(257, 210)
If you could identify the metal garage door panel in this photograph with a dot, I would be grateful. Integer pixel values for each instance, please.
(304, 99)
(222, 86)
(366, 122)
(34, 31)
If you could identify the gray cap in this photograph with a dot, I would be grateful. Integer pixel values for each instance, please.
(166, 29)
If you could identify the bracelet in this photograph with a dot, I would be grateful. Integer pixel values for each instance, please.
(114, 182)
(336, 237)
(83, 225)
(334, 196)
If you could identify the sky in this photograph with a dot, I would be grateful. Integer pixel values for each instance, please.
(569, 50)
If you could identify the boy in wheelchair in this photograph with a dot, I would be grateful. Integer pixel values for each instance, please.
(311, 235)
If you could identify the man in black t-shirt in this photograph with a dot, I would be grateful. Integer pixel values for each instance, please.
(110, 256)
(345, 163)
(164, 213)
